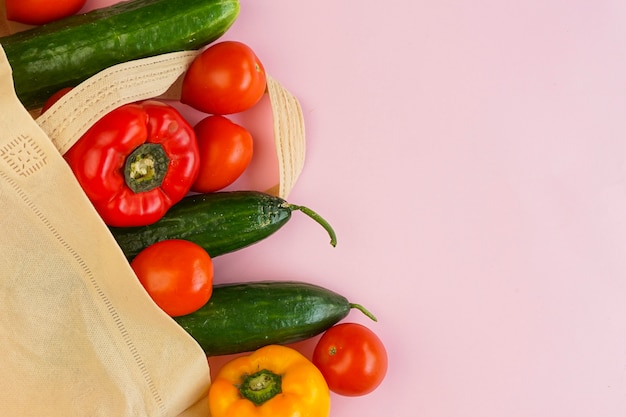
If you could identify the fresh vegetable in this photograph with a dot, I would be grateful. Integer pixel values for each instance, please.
(136, 162)
(352, 359)
(225, 78)
(274, 381)
(225, 153)
(246, 316)
(54, 98)
(220, 222)
(65, 52)
(38, 12)
(177, 274)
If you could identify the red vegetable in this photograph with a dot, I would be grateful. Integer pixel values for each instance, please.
(54, 98)
(38, 12)
(225, 153)
(177, 274)
(225, 78)
(136, 162)
(352, 359)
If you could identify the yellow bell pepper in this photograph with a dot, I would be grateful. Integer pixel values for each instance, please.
(273, 381)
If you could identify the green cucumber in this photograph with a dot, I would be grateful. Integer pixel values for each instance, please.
(68, 51)
(243, 317)
(220, 222)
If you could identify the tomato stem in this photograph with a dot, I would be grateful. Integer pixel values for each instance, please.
(364, 311)
(319, 219)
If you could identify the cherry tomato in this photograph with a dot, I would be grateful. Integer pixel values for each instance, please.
(352, 359)
(54, 98)
(38, 12)
(177, 274)
(225, 153)
(225, 78)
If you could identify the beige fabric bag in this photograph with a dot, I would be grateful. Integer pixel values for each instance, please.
(79, 335)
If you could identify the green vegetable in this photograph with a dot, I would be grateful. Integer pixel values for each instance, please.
(220, 222)
(246, 316)
(66, 52)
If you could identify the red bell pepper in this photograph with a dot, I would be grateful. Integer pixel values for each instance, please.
(136, 162)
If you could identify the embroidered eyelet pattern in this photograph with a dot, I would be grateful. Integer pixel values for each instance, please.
(23, 155)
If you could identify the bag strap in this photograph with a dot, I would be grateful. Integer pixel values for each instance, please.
(289, 135)
(161, 76)
(67, 120)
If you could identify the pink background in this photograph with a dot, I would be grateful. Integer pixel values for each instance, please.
(472, 159)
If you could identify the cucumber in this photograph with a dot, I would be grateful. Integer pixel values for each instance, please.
(243, 317)
(68, 51)
(220, 222)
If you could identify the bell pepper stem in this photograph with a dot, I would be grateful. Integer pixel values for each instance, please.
(261, 386)
(145, 167)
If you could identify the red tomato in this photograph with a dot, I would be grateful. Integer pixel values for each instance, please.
(225, 153)
(54, 98)
(352, 359)
(177, 274)
(225, 78)
(38, 12)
